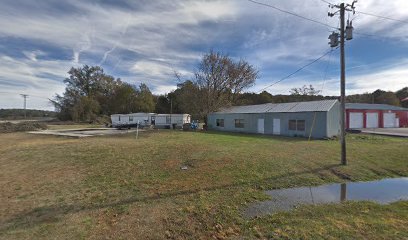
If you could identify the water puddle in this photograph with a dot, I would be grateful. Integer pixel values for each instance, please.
(382, 191)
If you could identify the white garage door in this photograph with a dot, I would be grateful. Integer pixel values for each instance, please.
(372, 120)
(389, 120)
(356, 120)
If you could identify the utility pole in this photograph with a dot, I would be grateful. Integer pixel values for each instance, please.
(342, 88)
(346, 33)
(171, 113)
(25, 104)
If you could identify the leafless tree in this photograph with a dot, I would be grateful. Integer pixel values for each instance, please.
(220, 79)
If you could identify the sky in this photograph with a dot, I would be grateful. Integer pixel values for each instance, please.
(147, 41)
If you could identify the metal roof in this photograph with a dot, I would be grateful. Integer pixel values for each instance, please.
(369, 106)
(312, 106)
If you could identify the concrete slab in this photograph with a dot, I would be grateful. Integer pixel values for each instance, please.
(397, 132)
(84, 132)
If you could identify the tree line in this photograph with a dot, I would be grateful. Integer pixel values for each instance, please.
(14, 113)
(219, 81)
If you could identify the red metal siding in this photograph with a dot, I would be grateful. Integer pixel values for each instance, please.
(403, 118)
(402, 115)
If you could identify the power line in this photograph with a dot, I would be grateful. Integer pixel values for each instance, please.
(325, 72)
(371, 14)
(291, 13)
(298, 70)
(325, 24)
(327, 2)
(13, 93)
(382, 17)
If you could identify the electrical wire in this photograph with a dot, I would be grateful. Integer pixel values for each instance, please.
(293, 14)
(331, 4)
(382, 17)
(325, 72)
(298, 70)
(370, 14)
(30, 95)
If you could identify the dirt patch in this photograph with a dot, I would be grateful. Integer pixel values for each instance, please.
(8, 127)
(341, 175)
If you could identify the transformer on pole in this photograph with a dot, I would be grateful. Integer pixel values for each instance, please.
(346, 33)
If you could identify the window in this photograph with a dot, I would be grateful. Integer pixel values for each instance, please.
(130, 119)
(220, 122)
(239, 123)
(300, 125)
(168, 119)
(292, 125)
(297, 125)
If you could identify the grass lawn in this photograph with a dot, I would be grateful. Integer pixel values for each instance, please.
(117, 187)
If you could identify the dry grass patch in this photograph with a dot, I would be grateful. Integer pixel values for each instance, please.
(119, 187)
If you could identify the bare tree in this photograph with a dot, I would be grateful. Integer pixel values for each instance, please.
(305, 91)
(220, 79)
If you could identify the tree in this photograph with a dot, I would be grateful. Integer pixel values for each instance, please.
(162, 104)
(388, 98)
(145, 99)
(90, 93)
(220, 79)
(186, 99)
(305, 91)
(402, 94)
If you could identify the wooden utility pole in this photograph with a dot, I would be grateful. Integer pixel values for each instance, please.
(346, 33)
(342, 88)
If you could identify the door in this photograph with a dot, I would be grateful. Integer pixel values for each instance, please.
(372, 120)
(261, 125)
(356, 120)
(276, 126)
(389, 120)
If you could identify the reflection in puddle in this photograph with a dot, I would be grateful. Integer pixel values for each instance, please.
(382, 191)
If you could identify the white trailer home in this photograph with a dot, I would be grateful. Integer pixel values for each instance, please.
(119, 120)
(170, 120)
(131, 120)
(144, 119)
(148, 119)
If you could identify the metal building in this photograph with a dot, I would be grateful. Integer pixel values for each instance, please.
(365, 115)
(318, 119)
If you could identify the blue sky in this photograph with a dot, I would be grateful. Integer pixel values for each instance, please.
(146, 41)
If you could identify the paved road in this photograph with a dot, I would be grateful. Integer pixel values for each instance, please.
(399, 132)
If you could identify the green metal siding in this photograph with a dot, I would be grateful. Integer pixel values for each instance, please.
(333, 120)
(319, 130)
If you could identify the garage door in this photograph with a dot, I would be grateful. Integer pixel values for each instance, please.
(356, 120)
(372, 120)
(389, 120)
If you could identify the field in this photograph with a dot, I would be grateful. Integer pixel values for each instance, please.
(117, 187)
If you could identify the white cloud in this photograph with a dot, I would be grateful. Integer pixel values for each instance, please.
(147, 42)
(30, 78)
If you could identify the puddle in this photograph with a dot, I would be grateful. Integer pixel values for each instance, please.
(381, 191)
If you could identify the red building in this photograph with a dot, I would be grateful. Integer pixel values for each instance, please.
(365, 115)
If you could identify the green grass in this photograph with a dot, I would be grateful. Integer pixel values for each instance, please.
(120, 187)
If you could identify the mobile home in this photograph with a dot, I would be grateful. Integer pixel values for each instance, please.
(170, 120)
(150, 119)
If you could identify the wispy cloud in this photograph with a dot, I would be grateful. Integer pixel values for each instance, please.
(147, 41)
